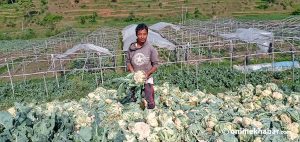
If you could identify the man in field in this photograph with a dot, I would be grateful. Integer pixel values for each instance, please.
(141, 55)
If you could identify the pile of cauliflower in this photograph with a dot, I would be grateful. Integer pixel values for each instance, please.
(188, 116)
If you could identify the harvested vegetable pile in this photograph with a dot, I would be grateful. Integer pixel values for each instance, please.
(178, 116)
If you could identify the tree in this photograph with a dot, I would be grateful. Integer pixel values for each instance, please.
(197, 13)
(296, 12)
(50, 20)
(93, 17)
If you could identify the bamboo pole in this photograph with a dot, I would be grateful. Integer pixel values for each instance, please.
(10, 78)
(45, 85)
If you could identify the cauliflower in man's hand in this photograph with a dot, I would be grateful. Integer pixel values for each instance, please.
(139, 77)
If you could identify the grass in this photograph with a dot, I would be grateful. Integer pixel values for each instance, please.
(111, 22)
(15, 33)
(8, 6)
(38, 33)
(122, 22)
(3, 69)
(263, 17)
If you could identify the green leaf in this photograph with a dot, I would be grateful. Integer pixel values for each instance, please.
(294, 114)
(20, 137)
(6, 120)
(228, 138)
(21, 108)
(120, 137)
(44, 129)
(5, 136)
(86, 133)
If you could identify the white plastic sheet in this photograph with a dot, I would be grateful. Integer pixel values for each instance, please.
(276, 66)
(86, 47)
(161, 25)
(252, 35)
(129, 36)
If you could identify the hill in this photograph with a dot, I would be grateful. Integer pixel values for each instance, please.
(39, 18)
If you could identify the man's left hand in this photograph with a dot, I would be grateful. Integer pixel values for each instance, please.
(147, 75)
(152, 70)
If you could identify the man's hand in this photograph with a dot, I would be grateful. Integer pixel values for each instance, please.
(152, 70)
(147, 75)
(130, 68)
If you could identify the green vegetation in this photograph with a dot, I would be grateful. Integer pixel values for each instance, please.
(218, 78)
(83, 6)
(263, 6)
(211, 77)
(178, 116)
(29, 34)
(35, 14)
(50, 20)
(296, 12)
(261, 17)
(8, 3)
(122, 22)
(71, 86)
(44, 2)
(268, 1)
(160, 5)
(11, 24)
(197, 13)
(66, 108)
(91, 19)
(34, 125)
(131, 18)
(3, 69)
(44, 6)
(5, 36)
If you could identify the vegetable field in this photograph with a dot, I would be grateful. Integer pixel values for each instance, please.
(178, 116)
(210, 78)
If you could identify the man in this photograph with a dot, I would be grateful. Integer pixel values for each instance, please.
(141, 55)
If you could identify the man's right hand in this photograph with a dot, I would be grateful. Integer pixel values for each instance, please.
(130, 68)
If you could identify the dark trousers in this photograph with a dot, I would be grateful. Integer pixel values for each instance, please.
(149, 95)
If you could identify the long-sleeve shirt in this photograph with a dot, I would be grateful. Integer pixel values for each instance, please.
(143, 58)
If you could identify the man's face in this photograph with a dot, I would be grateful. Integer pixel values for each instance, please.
(142, 36)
